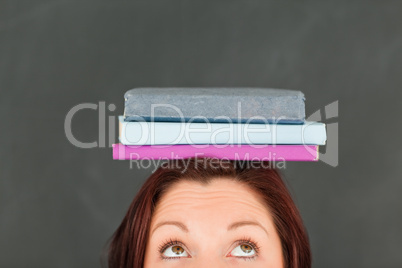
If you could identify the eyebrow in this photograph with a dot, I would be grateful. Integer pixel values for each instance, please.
(238, 224)
(231, 227)
(173, 223)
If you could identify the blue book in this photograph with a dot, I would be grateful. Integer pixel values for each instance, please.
(170, 133)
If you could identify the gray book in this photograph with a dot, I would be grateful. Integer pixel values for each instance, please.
(215, 105)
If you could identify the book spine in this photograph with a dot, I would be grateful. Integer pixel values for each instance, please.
(230, 152)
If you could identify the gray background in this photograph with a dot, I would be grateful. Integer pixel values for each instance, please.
(59, 204)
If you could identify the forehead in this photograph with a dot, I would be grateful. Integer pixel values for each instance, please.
(222, 198)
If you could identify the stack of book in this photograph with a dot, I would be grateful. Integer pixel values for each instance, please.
(254, 124)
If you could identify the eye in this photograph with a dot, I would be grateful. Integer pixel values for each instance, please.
(245, 249)
(175, 251)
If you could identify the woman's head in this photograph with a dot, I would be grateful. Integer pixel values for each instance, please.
(200, 212)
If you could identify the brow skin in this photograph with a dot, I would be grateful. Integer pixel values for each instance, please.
(238, 224)
(231, 227)
(173, 223)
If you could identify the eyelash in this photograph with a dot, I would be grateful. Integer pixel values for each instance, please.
(174, 242)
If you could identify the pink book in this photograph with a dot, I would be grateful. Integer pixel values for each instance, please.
(230, 151)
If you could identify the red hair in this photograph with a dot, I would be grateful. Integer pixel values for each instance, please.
(128, 244)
